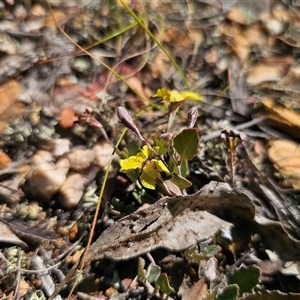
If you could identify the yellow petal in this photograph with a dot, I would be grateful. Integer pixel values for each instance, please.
(159, 166)
(164, 93)
(145, 153)
(175, 96)
(190, 95)
(148, 177)
(131, 163)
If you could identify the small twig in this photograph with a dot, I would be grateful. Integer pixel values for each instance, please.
(18, 276)
(216, 133)
(47, 282)
(149, 256)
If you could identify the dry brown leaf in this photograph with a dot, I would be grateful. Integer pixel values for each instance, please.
(159, 65)
(172, 222)
(7, 236)
(263, 73)
(31, 235)
(248, 12)
(5, 160)
(285, 156)
(241, 39)
(24, 287)
(290, 82)
(281, 117)
(241, 45)
(196, 292)
(58, 15)
(239, 94)
(9, 92)
(235, 15)
(283, 14)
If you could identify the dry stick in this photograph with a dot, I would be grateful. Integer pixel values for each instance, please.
(216, 133)
(17, 293)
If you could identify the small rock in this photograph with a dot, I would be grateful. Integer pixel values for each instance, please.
(46, 178)
(72, 190)
(274, 26)
(60, 146)
(81, 159)
(103, 153)
(41, 156)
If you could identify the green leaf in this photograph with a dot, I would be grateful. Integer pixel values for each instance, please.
(133, 147)
(246, 277)
(211, 250)
(180, 181)
(229, 293)
(153, 273)
(141, 266)
(184, 168)
(186, 143)
(160, 146)
(193, 255)
(163, 283)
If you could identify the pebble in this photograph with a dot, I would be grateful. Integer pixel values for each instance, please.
(71, 191)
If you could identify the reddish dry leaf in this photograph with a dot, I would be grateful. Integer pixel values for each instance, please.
(67, 117)
(285, 156)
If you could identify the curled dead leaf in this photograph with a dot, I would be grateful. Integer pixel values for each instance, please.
(281, 117)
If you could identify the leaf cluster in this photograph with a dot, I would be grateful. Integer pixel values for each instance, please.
(163, 163)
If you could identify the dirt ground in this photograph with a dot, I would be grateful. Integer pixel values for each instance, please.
(149, 149)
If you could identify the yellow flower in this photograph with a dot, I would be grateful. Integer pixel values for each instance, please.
(151, 168)
(175, 96)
